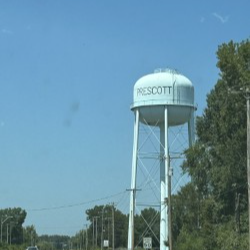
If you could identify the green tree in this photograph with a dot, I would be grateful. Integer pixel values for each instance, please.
(185, 210)
(30, 236)
(147, 225)
(11, 221)
(217, 162)
(189, 240)
(101, 216)
(56, 242)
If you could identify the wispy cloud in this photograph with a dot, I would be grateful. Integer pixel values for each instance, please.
(202, 20)
(28, 27)
(221, 18)
(6, 31)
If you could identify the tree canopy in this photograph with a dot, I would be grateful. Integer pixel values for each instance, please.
(217, 162)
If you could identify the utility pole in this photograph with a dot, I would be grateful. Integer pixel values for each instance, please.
(7, 234)
(102, 228)
(2, 221)
(170, 242)
(93, 240)
(96, 231)
(86, 240)
(113, 227)
(247, 95)
(95, 236)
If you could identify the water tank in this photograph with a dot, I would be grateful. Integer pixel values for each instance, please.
(165, 87)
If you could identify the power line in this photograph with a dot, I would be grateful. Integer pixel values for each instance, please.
(76, 204)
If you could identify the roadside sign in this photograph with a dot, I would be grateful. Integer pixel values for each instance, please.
(147, 242)
(106, 243)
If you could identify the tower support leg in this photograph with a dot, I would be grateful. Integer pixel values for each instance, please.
(164, 166)
(133, 183)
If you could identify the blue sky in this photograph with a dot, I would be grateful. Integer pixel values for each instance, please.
(67, 71)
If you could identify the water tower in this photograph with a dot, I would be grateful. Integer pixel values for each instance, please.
(163, 99)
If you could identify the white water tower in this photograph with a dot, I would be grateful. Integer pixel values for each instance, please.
(163, 99)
